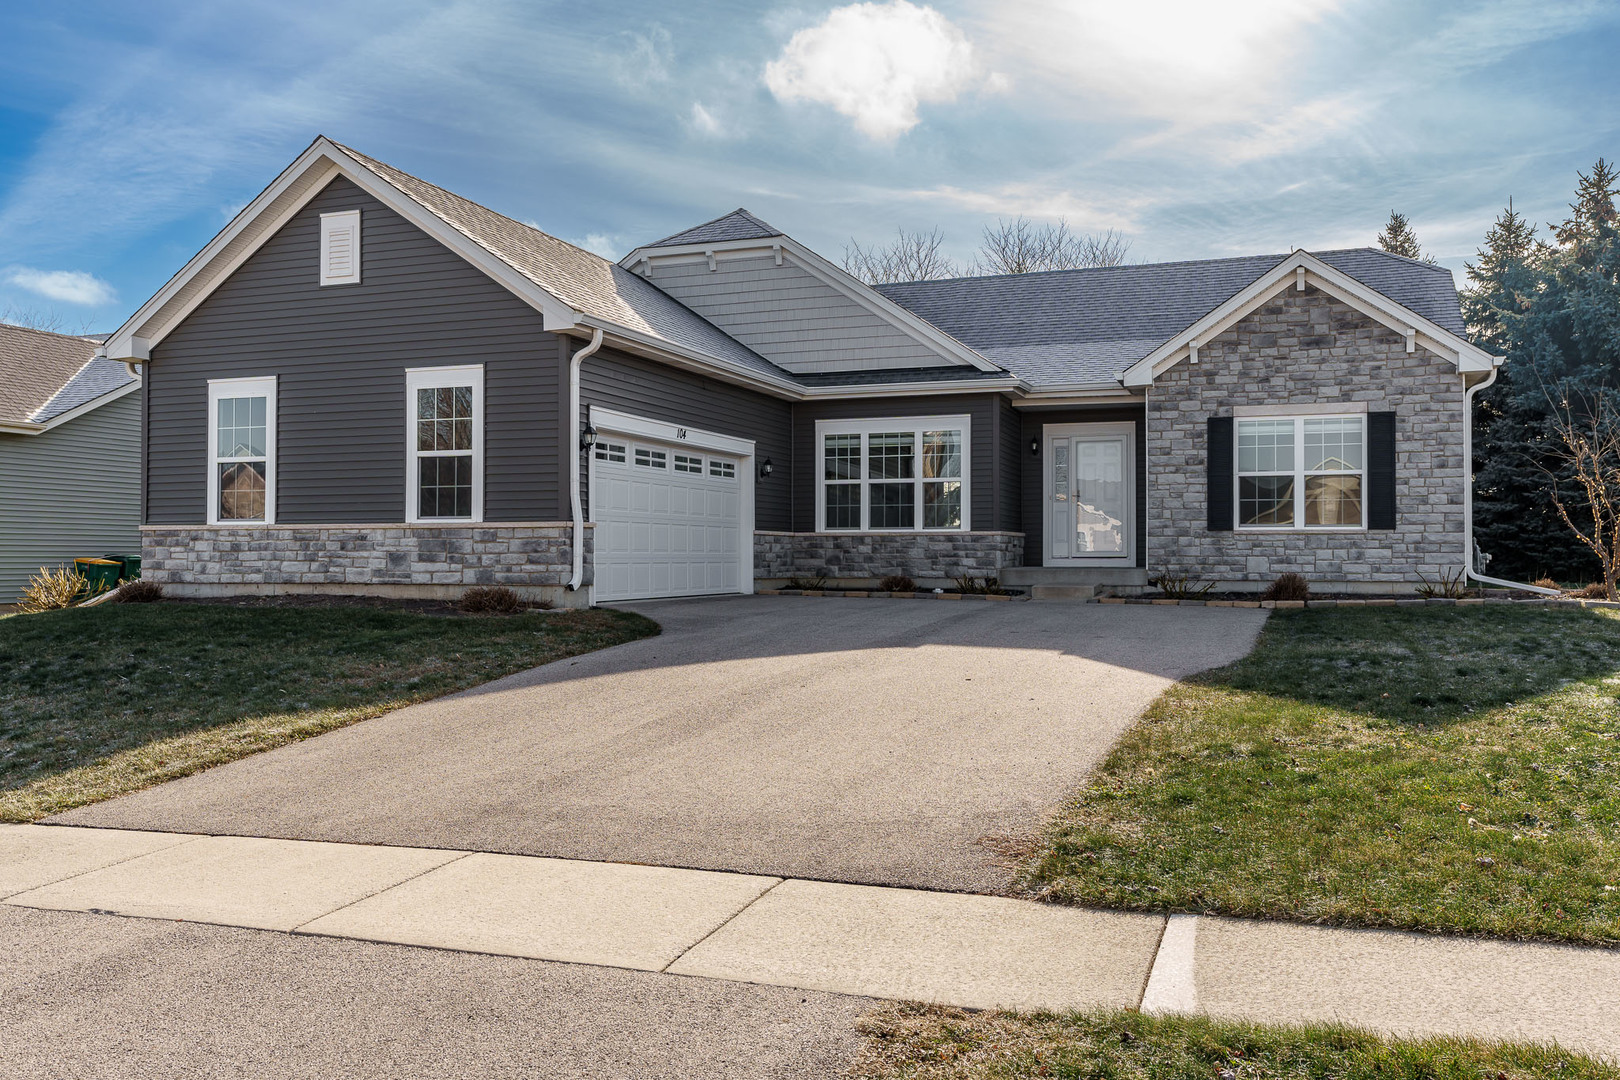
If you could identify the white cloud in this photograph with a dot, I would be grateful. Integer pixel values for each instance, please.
(876, 63)
(705, 121)
(68, 286)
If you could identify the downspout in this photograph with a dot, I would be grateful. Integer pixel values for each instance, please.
(574, 455)
(1468, 495)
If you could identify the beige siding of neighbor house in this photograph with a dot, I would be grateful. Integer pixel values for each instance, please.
(791, 317)
(73, 490)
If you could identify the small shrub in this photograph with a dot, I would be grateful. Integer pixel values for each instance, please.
(138, 591)
(51, 590)
(897, 583)
(1545, 583)
(1287, 587)
(1181, 588)
(497, 599)
(987, 586)
(1452, 586)
(1595, 591)
(808, 584)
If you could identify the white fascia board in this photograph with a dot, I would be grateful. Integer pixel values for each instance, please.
(624, 423)
(914, 389)
(635, 341)
(830, 275)
(1096, 395)
(32, 427)
(1328, 279)
(328, 161)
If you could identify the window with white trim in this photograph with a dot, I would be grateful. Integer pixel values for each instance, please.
(726, 470)
(899, 475)
(651, 459)
(241, 451)
(688, 464)
(445, 440)
(1306, 472)
(340, 248)
(610, 451)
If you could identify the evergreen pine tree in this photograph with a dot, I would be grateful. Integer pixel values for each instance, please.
(1398, 238)
(1554, 312)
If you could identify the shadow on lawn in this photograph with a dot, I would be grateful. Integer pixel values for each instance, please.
(1431, 665)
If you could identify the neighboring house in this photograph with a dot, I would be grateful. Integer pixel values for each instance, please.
(70, 444)
(368, 383)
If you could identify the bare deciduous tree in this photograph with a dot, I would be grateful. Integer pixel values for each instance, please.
(1022, 247)
(36, 318)
(914, 256)
(1587, 434)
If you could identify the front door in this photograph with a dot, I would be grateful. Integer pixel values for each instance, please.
(1090, 494)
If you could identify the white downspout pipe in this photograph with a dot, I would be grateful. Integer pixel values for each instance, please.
(1468, 495)
(574, 455)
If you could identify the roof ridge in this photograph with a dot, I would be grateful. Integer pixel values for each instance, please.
(50, 333)
(1420, 263)
(1093, 269)
(770, 229)
(368, 160)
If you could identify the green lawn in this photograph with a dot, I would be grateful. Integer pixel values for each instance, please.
(919, 1042)
(98, 702)
(1444, 769)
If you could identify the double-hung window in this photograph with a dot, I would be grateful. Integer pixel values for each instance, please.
(1304, 472)
(445, 444)
(900, 475)
(241, 451)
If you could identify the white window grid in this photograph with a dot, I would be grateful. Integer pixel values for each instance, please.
(246, 391)
(418, 379)
(856, 437)
(1280, 447)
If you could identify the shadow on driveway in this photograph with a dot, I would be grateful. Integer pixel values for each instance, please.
(884, 742)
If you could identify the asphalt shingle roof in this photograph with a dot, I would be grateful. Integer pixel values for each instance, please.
(39, 371)
(737, 225)
(573, 275)
(1079, 326)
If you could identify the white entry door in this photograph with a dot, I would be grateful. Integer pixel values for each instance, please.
(669, 519)
(1090, 494)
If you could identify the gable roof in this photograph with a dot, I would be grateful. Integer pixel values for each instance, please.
(737, 225)
(1066, 327)
(44, 375)
(573, 288)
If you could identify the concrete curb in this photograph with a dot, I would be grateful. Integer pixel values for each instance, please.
(1419, 601)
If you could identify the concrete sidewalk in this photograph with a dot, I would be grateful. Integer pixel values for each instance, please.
(957, 949)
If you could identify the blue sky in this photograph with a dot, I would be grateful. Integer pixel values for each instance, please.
(130, 134)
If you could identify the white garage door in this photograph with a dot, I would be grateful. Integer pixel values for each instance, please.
(668, 519)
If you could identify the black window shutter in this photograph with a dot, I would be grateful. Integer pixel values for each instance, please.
(1381, 470)
(1220, 474)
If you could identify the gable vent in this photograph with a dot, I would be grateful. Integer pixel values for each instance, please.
(340, 248)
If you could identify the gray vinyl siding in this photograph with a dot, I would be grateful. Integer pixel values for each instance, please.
(789, 316)
(73, 490)
(1014, 449)
(1032, 485)
(983, 461)
(628, 384)
(340, 354)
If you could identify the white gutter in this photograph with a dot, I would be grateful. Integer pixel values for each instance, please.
(573, 457)
(1468, 494)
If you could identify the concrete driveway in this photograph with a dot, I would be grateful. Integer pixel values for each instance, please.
(877, 741)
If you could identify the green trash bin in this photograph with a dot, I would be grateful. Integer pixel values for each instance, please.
(100, 575)
(129, 566)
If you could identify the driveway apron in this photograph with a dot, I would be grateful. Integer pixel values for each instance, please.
(893, 742)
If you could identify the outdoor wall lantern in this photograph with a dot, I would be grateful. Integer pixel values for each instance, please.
(587, 438)
(765, 468)
(1035, 446)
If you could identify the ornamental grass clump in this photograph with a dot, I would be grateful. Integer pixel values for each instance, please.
(1288, 586)
(490, 599)
(897, 583)
(138, 592)
(51, 590)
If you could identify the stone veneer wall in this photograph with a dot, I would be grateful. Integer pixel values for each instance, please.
(536, 559)
(1308, 348)
(866, 557)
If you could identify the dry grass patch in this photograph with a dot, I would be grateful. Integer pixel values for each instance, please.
(1441, 769)
(104, 701)
(925, 1042)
